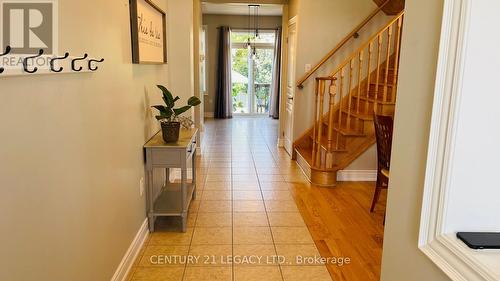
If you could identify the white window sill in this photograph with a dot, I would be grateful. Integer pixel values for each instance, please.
(461, 262)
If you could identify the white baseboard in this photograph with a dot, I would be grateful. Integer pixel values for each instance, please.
(209, 114)
(132, 253)
(357, 175)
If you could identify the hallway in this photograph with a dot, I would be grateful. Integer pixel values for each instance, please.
(255, 205)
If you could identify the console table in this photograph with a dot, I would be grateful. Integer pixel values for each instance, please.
(174, 198)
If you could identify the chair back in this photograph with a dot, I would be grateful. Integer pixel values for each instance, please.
(383, 132)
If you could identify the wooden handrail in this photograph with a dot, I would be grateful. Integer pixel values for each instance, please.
(367, 43)
(339, 45)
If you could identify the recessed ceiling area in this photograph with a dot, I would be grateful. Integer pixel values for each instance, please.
(240, 9)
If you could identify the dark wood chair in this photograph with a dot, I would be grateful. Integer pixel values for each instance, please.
(383, 132)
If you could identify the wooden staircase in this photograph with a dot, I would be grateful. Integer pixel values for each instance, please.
(345, 102)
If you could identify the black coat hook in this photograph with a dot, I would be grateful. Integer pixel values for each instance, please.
(90, 64)
(73, 63)
(58, 58)
(7, 51)
(25, 62)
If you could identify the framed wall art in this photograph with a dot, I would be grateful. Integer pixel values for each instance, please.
(148, 29)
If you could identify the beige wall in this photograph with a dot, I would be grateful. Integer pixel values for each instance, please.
(71, 154)
(181, 47)
(212, 22)
(402, 260)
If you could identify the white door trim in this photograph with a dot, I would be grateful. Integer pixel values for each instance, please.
(288, 143)
(444, 249)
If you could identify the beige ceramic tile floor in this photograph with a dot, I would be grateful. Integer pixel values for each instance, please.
(244, 210)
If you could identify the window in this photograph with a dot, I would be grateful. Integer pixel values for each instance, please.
(252, 74)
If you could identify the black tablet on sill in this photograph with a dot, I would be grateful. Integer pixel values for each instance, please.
(480, 240)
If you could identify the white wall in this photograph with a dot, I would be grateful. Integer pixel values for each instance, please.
(474, 195)
(402, 260)
(71, 148)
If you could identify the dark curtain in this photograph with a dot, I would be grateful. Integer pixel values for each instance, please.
(223, 98)
(274, 102)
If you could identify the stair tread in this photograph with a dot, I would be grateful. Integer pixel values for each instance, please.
(353, 133)
(324, 143)
(371, 99)
(382, 69)
(361, 116)
(345, 131)
(390, 85)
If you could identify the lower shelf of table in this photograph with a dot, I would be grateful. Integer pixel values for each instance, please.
(169, 201)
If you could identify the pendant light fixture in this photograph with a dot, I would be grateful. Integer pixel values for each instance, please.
(249, 42)
(253, 24)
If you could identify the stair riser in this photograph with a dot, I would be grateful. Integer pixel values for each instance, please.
(344, 140)
(380, 93)
(382, 78)
(337, 137)
(391, 74)
(368, 107)
(351, 143)
(356, 124)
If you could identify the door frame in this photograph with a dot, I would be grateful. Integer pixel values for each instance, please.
(284, 80)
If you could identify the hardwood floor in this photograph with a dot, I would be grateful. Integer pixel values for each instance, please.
(340, 223)
(253, 200)
(341, 226)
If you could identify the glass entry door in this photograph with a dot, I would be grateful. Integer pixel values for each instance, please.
(251, 73)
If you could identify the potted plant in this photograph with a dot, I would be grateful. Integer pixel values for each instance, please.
(168, 117)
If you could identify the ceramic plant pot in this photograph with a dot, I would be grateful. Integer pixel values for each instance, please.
(170, 131)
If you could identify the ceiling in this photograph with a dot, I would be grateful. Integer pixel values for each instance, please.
(239, 9)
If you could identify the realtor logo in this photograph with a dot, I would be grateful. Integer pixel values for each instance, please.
(28, 26)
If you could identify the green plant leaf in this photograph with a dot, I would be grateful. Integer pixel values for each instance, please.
(167, 96)
(161, 108)
(180, 110)
(165, 112)
(194, 101)
(176, 98)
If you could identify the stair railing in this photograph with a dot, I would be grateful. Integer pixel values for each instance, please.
(352, 34)
(372, 78)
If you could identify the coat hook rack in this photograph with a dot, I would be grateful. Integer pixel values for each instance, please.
(66, 55)
(90, 64)
(73, 63)
(7, 51)
(25, 62)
